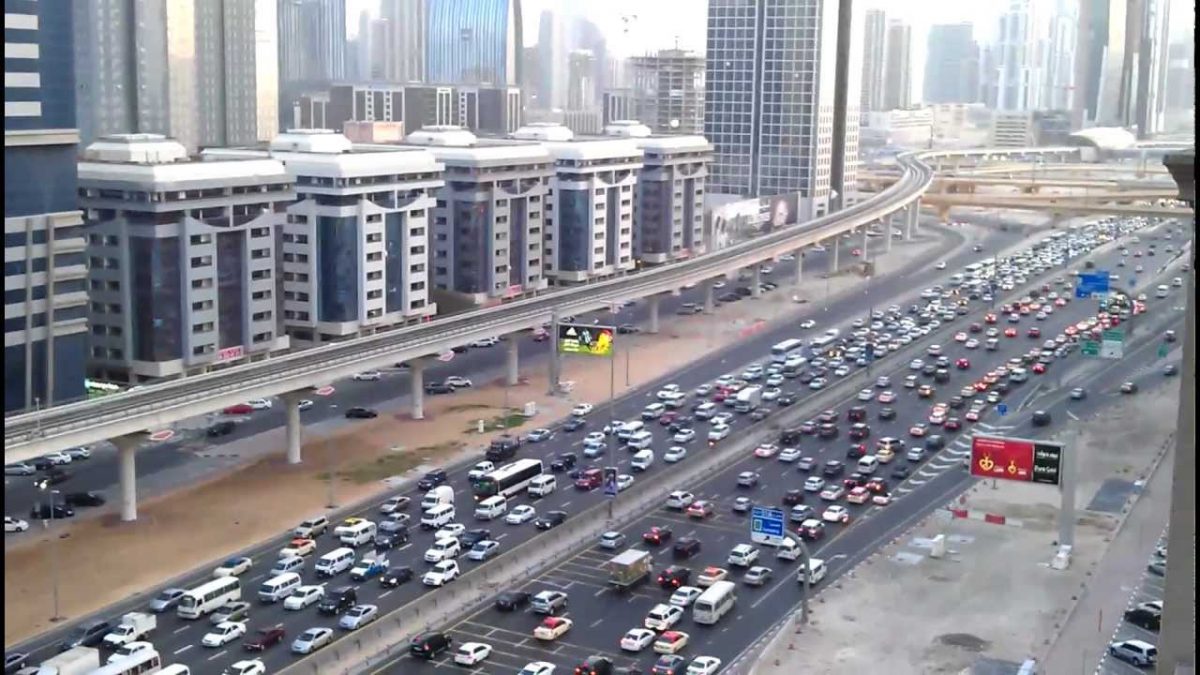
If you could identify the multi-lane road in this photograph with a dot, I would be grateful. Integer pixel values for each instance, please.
(178, 641)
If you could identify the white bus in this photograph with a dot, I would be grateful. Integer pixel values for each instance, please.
(820, 344)
(714, 603)
(509, 480)
(781, 351)
(145, 661)
(207, 597)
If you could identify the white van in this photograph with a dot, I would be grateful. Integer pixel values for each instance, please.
(1162, 291)
(653, 411)
(292, 563)
(439, 516)
(642, 460)
(628, 429)
(175, 669)
(442, 494)
(641, 440)
(278, 588)
(706, 410)
(492, 507)
(1018, 375)
(542, 485)
(868, 464)
(360, 533)
(335, 562)
(816, 571)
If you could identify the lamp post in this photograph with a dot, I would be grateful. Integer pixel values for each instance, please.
(41, 485)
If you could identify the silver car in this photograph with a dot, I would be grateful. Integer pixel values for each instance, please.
(166, 600)
(311, 640)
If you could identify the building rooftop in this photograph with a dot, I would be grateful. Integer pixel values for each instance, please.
(455, 144)
(136, 148)
(152, 159)
(322, 152)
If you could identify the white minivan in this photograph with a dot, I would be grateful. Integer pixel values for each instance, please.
(1162, 291)
(868, 465)
(292, 563)
(706, 410)
(492, 507)
(642, 460)
(641, 440)
(438, 516)
(335, 562)
(542, 485)
(362, 532)
(628, 429)
(279, 587)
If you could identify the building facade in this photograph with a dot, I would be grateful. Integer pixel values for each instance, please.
(406, 45)
(670, 89)
(182, 254)
(355, 243)
(1012, 129)
(897, 86)
(45, 285)
(589, 220)
(312, 41)
(908, 128)
(487, 109)
(952, 65)
(489, 221)
(474, 42)
(581, 80)
(874, 58)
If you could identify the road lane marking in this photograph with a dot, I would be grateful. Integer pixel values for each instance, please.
(183, 649)
(218, 655)
(179, 630)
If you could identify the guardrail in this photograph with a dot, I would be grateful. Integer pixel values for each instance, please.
(158, 406)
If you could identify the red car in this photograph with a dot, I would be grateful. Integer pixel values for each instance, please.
(856, 451)
(657, 535)
(951, 424)
(266, 637)
(962, 364)
(1039, 368)
(1010, 332)
(1034, 332)
(811, 529)
(666, 418)
(989, 318)
(590, 479)
(976, 328)
(239, 409)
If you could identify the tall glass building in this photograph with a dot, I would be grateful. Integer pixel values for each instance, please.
(474, 42)
(45, 293)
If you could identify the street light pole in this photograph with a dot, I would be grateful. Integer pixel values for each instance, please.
(56, 616)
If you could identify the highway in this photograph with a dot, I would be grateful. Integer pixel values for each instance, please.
(179, 641)
(173, 463)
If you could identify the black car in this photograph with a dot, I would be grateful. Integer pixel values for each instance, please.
(360, 413)
(900, 471)
(595, 665)
(627, 328)
(55, 475)
(686, 547)
(88, 635)
(834, 468)
(743, 291)
(385, 541)
(438, 388)
(427, 646)
(338, 600)
(564, 461)
(575, 424)
(432, 479)
(1144, 618)
(511, 601)
(222, 428)
(790, 437)
(793, 497)
(14, 662)
(856, 413)
(396, 576)
(887, 413)
(670, 664)
(45, 512)
(551, 519)
(673, 577)
(83, 499)
(786, 400)
(472, 537)
(680, 422)
(41, 464)
(957, 402)
(935, 442)
(1040, 418)
(729, 297)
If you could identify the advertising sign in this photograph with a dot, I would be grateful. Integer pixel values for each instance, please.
(1019, 459)
(230, 353)
(583, 339)
(610, 481)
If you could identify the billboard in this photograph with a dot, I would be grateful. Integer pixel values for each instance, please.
(583, 339)
(738, 221)
(1019, 459)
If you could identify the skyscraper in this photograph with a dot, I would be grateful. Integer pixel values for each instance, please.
(312, 41)
(45, 291)
(1021, 74)
(405, 45)
(897, 92)
(1098, 63)
(1058, 56)
(769, 89)
(874, 58)
(951, 65)
(474, 42)
(249, 34)
(581, 80)
(669, 91)
(1152, 63)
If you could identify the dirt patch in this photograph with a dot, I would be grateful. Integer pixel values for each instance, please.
(971, 643)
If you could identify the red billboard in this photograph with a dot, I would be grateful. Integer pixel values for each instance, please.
(1018, 459)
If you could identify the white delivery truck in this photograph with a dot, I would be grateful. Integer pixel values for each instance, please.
(748, 399)
(134, 626)
(74, 661)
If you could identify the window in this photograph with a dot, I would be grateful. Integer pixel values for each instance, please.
(198, 239)
(202, 283)
(417, 286)
(202, 305)
(374, 257)
(416, 250)
(260, 253)
(259, 232)
(374, 295)
(201, 261)
(261, 316)
(374, 276)
(263, 337)
(259, 275)
(204, 327)
(261, 295)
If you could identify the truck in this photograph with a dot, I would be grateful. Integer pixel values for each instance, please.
(134, 626)
(748, 399)
(628, 568)
(369, 567)
(74, 661)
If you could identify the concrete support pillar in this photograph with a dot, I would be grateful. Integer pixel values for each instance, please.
(291, 402)
(710, 302)
(512, 373)
(834, 248)
(866, 241)
(555, 367)
(755, 282)
(799, 265)
(652, 303)
(889, 224)
(127, 474)
(910, 220)
(416, 372)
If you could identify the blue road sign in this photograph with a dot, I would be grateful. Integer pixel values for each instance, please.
(1091, 284)
(1002, 408)
(1132, 282)
(766, 522)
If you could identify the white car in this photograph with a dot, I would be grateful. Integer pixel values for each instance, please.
(637, 639)
(15, 524)
(663, 616)
(766, 450)
(480, 470)
(485, 342)
(866, 395)
(458, 382)
(520, 514)
(260, 403)
(916, 364)
(836, 514)
(684, 596)
(581, 409)
(368, 376)
(450, 531)
(304, 596)
(675, 453)
(971, 344)
(668, 392)
(807, 323)
(624, 482)
(471, 653)
(232, 567)
(743, 555)
(441, 574)
(789, 455)
(941, 265)
(718, 433)
(57, 458)
(246, 667)
(127, 650)
(704, 665)
(81, 452)
(537, 668)
(814, 484)
(224, 633)
(817, 383)
(680, 500)
(359, 616)
(772, 394)
(684, 435)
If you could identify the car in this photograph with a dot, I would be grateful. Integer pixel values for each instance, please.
(1158, 567)
(814, 484)
(1010, 332)
(457, 382)
(657, 535)
(550, 520)
(684, 435)
(674, 576)
(368, 376)
(552, 627)
(166, 600)
(265, 638)
(833, 467)
(483, 550)
(441, 573)
(624, 482)
(711, 575)
(669, 664)
(832, 492)
(793, 497)
(747, 479)
(512, 600)
(836, 513)
(718, 432)
(238, 610)
(574, 424)
(684, 596)
(789, 455)
(742, 555)
(537, 436)
(742, 505)
(766, 450)
(520, 514)
(918, 430)
(866, 395)
(394, 577)
(298, 547)
(886, 397)
(19, 469)
(637, 639)
(1134, 652)
(360, 413)
(811, 529)
(223, 633)
(757, 576)
(680, 500)
(612, 540)
(671, 642)
(675, 453)
(662, 617)
(700, 509)
(472, 653)
(686, 547)
(1144, 617)
(582, 409)
(246, 667)
(51, 512)
(233, 567)
(1129, 387)
(951, 424)
(704, 665)
(564, 461)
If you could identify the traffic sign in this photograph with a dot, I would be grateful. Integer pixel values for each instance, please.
(1089, 347)
(1091, 285)
(327, 390)
(610, 481)
(766, 525)
(162, 436)
(1002, 408)
(1163, 350)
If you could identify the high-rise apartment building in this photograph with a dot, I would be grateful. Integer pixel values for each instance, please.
(669, 87)
(897, 85)
(405, 42)
(183, 272)
(477, 108)
(312, 41)
(874, 57)
(1121, 64)
(1151, 94)
(768, 108)
(45, 285)
(1058, 56)
(474, 42)
(951, 65)
(490, 217)
(1021, 74)
(1181, 87)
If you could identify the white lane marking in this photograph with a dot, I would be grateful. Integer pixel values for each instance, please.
(179, 630)
(385, 594)
(264, 574)
(565, 505)
(1072, 416)
(183, 649)
(219, 654)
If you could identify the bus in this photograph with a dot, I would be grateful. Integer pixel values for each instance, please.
(144, 661)
(509, 480)
(819, 345)
(207, 597)
(781, 351)
(714, 602)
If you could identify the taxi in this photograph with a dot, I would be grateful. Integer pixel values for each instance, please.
(711, 575)
(885, 455)
(858, 495)
(298, 547)
(552, 627)
(671, 642)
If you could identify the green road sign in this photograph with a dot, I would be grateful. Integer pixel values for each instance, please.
(1113, 336)
(1089, 347)
(1162, 351)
